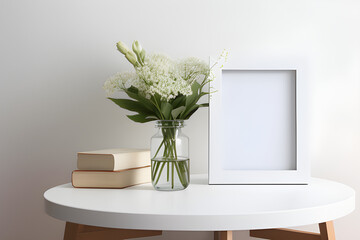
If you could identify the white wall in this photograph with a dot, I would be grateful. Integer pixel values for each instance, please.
(55, 56)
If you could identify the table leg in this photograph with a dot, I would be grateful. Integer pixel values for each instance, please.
(326, 233)
(223, 235)
(74, 231)
(71, 231)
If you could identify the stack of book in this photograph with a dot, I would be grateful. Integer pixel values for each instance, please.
(112, 168)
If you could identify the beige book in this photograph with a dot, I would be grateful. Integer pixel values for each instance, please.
(113, 159)
(110, 179)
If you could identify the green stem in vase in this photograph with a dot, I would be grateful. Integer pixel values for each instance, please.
(156, 167)
(170, 158)
(162, 142)
(172, 175)
(182, 180)
(168, 168)
(158, 178)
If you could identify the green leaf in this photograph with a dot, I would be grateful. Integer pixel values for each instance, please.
(166, 110)
(140, 118)
(177, 111)
(204, 105)
(178, 101)
(133, 93)
(146, 102)
(133, 106)
(156, 97)
(133, 89)
(185, 114)
(191, 111)
(190, 100)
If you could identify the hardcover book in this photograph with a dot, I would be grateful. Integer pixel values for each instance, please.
(110, 179)
(113, 159)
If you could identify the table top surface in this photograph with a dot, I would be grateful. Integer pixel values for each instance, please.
(202, 207)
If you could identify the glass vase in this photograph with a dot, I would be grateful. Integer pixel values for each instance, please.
(170, 156)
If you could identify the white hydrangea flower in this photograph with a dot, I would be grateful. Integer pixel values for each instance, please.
(193, 69)
(161, 75)
(119, 82)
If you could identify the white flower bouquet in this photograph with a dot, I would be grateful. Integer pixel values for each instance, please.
(161, 89)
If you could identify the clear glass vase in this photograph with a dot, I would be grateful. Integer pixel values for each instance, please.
(170, 156)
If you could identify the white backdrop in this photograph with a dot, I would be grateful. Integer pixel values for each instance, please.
(55, 56)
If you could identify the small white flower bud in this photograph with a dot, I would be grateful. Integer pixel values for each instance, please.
(122, 47)
(136, 47)
(142, 55)
(131, 57)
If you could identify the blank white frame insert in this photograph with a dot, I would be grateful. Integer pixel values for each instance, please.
(254, 125)
(263, 118)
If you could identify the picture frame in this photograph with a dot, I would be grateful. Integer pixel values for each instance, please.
(258, 123)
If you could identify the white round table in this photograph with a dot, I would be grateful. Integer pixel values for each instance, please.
(202, 207)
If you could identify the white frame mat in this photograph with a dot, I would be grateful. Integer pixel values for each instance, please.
(257, 124)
